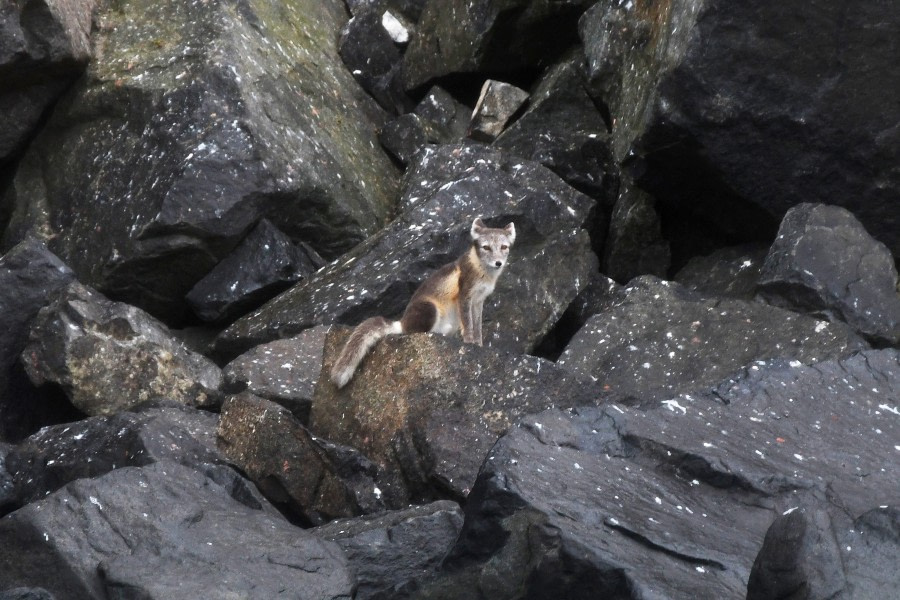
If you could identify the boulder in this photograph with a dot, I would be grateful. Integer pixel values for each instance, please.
(389, 550)
(163, 531)
(265, 263)
(29, 276)
(283, 371)
(496, 105)
(22, 593)
(437, 119)
(733, 271)
(295, 470)
(824, 262)
(449, 186)
(658, 339)
(635, 245)
(427, 408)
(194, 121)
(7, 485)
(445, 112)
(108, 356)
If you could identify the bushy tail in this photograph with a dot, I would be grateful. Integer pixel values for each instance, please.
(363, 338)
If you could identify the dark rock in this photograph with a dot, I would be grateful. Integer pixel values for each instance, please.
(294, 470)
(389, 550)
(447, 114)
(283, 371)
(496, 105)
(406, 135)
(26, 594)
(411, 9)
(489, 36)
(824, 262)
(617, 502)
(659, 340)
(163, 531)
(427, 408)
(635, 245)
(29, 276)
(449, 187)
(732, 272)
(108, 356)
(7, 486)
(44, 47)
(265, 263)
(195, 121)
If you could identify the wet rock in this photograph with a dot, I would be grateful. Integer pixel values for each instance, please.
(427, 408)
(163, 531)
(496, 105)
(389, 550)
(283, 371)
(108, 356)
(194, 121)
(295, 470)
(635, 245)
(449, 187)
(29, 276)
(733, 271)
(44, 47)
(824, 262)
(265, 263)
(659, 339)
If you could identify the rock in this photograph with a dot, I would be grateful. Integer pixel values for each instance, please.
(283, 371)
(676, 503)
(292, 467)
(426, 409)
(659, 340)
(635, 245)
(389, 550)
(29, 276)
(108, 356)
(448, 188)
(163, 531)
(194, 121)
(733, 271)
(824, 262)
(265, 263)
(488, 36)
(496, 105)
(44, 47)
(7, 486)
(406, 135)
(54, 456)
(448, 115)
(26, 594)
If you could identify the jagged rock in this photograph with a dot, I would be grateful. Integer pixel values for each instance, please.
(489, 36)
(195, 120)
(410, 9)
(732, 271)
(427, 408)
(108, 356)
(406, 135)
(283, 371)
(823, 261)
(635, 245)
(29, 276)
(294, 469)
(265, 263)
(44, 47)
(659, 339)
(448, 115)
(7, 486)
(54, 456)
(496, 105)
(389, 550)
(163, 531)
(26, 594)
(450, 186)
(624, 503)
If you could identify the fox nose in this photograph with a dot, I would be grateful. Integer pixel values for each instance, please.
(498, 264)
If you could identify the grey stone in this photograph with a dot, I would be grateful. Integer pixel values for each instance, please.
(733, 271)
(496, 105)
(635, 245)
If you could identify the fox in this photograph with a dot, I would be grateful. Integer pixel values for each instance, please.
(450, 300)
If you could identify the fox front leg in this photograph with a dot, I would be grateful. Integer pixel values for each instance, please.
(467, 318)
(477, 308)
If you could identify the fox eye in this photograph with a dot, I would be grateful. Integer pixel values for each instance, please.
(486, 247)
(504, 247)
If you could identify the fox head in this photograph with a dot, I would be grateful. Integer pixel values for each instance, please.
(492, 244)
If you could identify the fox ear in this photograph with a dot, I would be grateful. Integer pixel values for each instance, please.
(510, 233)
(477, 226)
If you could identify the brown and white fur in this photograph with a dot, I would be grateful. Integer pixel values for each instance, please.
(450, 300)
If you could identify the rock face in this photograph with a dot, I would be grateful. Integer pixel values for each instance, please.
(635, 245)
(732, 272)
(427, 408)
(108, 356)
(676, 503)
(163, 531)
(496, 105)
(658, 340)
(451, 185)
(825, 262)
(187, 129)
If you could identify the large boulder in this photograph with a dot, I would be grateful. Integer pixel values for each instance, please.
(824, 262)
(427, 408)
(450, 185)
(658, 339)
(108, 356)
(732, 271)
(194, 121)
(163, 532)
